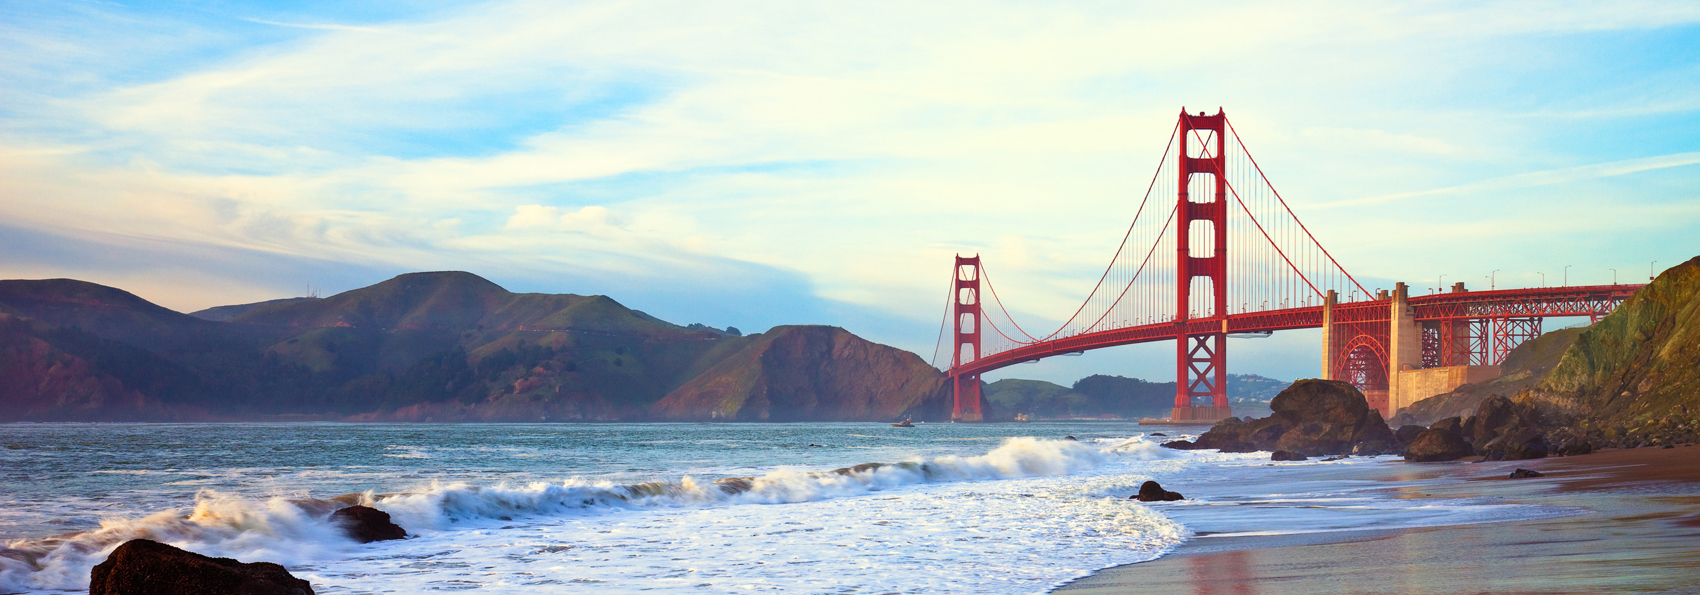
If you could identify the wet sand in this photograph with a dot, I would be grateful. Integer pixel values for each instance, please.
(1641, 534)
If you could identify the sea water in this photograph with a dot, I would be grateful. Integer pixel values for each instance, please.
(611, 508)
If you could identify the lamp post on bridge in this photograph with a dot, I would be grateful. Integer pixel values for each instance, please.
(1493, 280)
(1567, 274)
(1442, 283)
(1614, 276)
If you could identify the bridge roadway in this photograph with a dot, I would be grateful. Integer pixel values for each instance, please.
(1592, 301)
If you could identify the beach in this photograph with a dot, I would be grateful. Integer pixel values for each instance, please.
(1636, 529)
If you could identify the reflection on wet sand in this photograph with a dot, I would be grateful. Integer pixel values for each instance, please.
(1639, 536)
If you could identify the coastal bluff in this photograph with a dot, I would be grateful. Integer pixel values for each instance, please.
(1630, 380)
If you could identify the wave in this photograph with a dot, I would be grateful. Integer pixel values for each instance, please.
(299, 531)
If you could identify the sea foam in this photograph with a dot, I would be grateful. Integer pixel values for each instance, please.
(298, 532)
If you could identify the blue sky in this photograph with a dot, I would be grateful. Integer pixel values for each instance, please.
(754, 164)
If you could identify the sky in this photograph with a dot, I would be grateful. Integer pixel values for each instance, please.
(754, 164)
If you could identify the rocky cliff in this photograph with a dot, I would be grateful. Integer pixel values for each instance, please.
(1630, 380)
(796, 373)
(1639, 364)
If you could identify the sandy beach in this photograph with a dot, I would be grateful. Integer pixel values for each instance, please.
(1638, 531)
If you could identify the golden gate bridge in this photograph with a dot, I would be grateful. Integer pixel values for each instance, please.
(1214, 250)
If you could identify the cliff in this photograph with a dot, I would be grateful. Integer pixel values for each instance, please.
(796, 373)
(1638, 363)
(60, 374)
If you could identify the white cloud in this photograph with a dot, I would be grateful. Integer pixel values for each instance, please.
(859, 146)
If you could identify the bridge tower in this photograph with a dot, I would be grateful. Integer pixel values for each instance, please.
(1202, 222)
(965, 300)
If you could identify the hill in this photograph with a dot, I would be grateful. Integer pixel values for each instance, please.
(225, 313)
(1637, 364)
(796, 373)
(1129, 398)
(64, 374)
(444, 346)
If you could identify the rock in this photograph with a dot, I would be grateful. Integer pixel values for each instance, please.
(1336, 458)
(1159, 434)
(1151, 491)
(1516, 444)
(1492, 417)
(1522, 473)
(1406, 434)
(1373, 448)
(1311, 418)
(1281, 455)
(1437, 445)
(366, 524)
(1180, 445)
(1070, 438)
(146, 567)
(1452, 425)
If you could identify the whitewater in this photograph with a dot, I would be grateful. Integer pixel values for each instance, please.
(609, 508)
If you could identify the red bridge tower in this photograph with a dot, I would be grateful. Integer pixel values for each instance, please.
(965, 298)
(1201, 253)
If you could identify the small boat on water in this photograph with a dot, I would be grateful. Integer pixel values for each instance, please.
(903, 424)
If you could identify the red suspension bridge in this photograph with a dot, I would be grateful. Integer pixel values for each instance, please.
(1215, 251)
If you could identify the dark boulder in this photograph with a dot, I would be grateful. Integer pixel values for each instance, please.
(146, 567)
(1406, 434)
(1516, 444)
(1180, 445)
(1522, 473)
(1070, 438)
(1437, 445)
(366, 524)
(1311, 418)
(1281, 455)
(1151, 491)
(1572, 445)
(1373, 449)
(1159, 434)
(1454, 425)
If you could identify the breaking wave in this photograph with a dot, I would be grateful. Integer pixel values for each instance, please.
(299, 531)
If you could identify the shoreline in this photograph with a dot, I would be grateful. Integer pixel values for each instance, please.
(1637, 530)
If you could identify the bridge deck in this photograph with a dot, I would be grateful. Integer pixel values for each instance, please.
(1504, 303)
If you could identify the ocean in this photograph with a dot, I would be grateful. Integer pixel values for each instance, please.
(621, 508)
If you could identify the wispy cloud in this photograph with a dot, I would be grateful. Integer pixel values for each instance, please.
(838, 152)
(1551, 177)
(321, 26)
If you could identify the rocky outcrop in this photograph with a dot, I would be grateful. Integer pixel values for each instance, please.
(1406, 433)
(1312, 418)
(1152, 491)
(366, 524)
(819, 373)
(1438, 444)
(1633, 377)
(1525, 473)
(1281, 455)
(145, 567)
(1522, 368)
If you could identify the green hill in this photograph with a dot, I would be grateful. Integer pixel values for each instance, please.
(443, 346)
(1639, 363)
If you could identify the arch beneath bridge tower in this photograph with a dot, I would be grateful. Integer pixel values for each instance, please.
(1363, 363)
